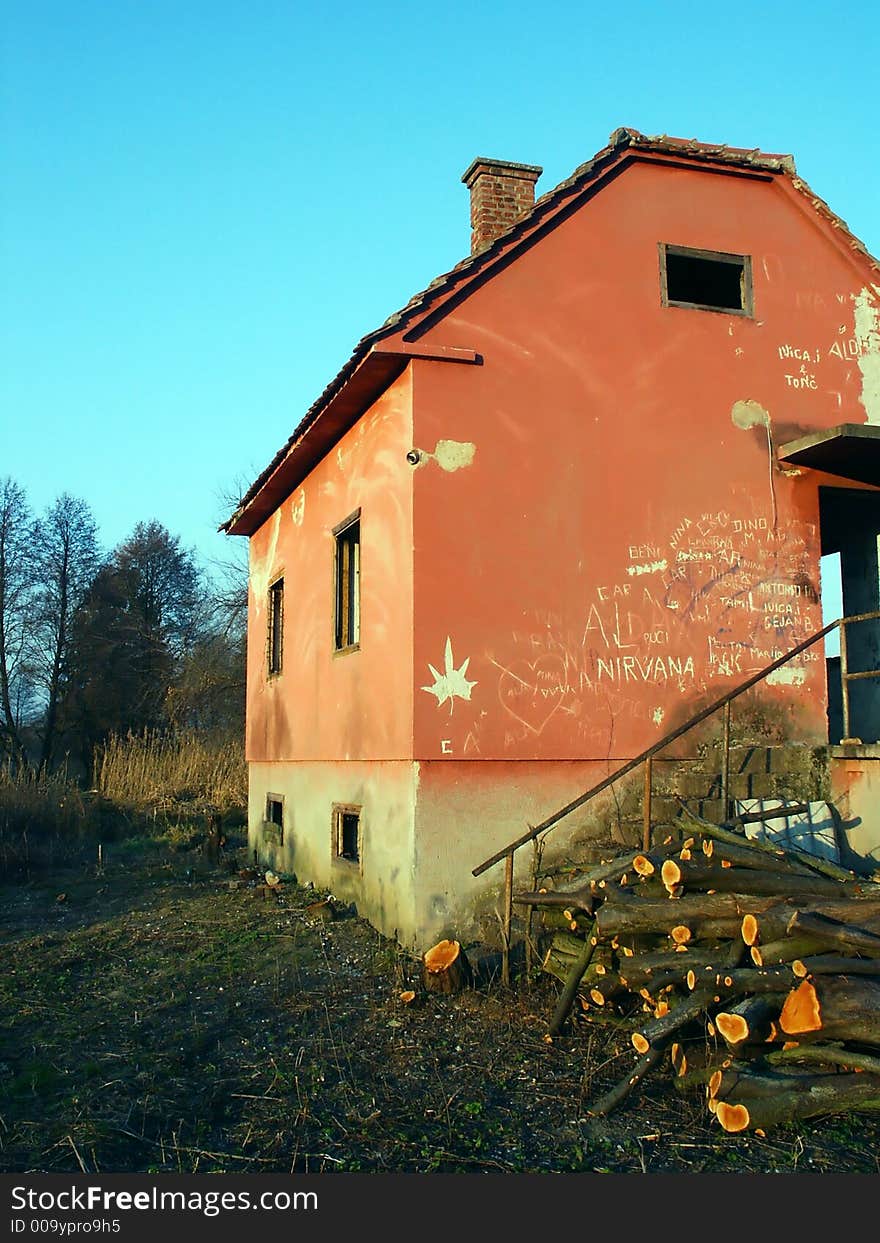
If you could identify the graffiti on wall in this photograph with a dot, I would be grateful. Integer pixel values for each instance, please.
(719, 597)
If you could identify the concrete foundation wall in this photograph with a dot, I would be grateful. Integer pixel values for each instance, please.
(855, 784)
(467, 811)
(381, 883)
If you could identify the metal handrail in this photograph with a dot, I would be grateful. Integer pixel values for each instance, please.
(646, 757)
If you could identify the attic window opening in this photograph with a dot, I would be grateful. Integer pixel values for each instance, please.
(347, 584)
(347, 833)
(276, 626)
(706, 280)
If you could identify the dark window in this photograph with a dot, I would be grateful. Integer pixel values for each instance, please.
(275, 816)
(347, 586)
(276, 625)
(706, 280)
(347, 833)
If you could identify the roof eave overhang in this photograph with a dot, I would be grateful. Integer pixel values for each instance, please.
(370, 377)
(849, 451)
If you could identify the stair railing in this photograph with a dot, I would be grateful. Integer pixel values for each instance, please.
(646, 757)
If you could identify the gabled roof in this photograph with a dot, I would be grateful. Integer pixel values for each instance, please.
(381, 355)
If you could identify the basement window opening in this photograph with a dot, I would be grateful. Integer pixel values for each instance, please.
(347, 584)
(275, 815)
(276, 626)
(347, 833)
(706, 280)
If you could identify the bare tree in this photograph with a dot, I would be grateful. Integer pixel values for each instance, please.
(18, 538)
(67, 561)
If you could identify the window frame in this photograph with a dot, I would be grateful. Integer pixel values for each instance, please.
(347, 586)
(275, 628)
(338, 812)
(744, 262)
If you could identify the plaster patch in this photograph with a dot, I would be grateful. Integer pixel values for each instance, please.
(787, 675)
(651, 567)
(298, 507)
(746, 414)
(657, 717)
(867, 335)
(453, 454)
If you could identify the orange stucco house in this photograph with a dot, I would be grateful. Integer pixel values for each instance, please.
(573, 491)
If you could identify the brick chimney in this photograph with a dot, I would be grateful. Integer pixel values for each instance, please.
(501, 194)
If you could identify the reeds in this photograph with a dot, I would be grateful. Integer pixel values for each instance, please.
(42, 816)
(152, 770)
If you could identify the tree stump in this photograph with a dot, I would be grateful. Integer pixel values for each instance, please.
(445, 968)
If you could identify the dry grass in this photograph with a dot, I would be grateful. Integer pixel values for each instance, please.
(42, 817)
(152, 771)
(162, 1018)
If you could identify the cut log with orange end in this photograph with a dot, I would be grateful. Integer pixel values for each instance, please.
(599, 969)
(643, 992)
(710, 1028)
(685, 854)
(761, 1132)
(670, 874)
(733, 1118)
(626, 951)
(801, 1011)
(598, 997)
(687, 843)
(408, 996)
(681, 949)
(773, 1033)
(714, 1083)
(756, 956)
(799, 969)
(708, 847)
(681, 934)
(790, 1044)
(712, 1104)
(624, 880)
(725, 863)
(733, 1027)
(661, 1009)
(691, 979)
(676, 1053)
(643, 865)
(749, 929)
(640, 1044)
(444, 967)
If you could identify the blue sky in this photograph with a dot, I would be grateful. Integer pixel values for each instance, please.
(205, 205)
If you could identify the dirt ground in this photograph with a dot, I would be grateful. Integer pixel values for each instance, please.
(159, 1018)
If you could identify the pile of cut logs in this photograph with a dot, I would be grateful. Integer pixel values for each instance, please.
(753, 973)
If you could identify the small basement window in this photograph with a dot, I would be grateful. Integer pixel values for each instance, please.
(706, 280)
(347, 833)
(275, 816)
(275, 638)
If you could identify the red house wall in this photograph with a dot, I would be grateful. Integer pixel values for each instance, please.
(354, 705)
(618, 547)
